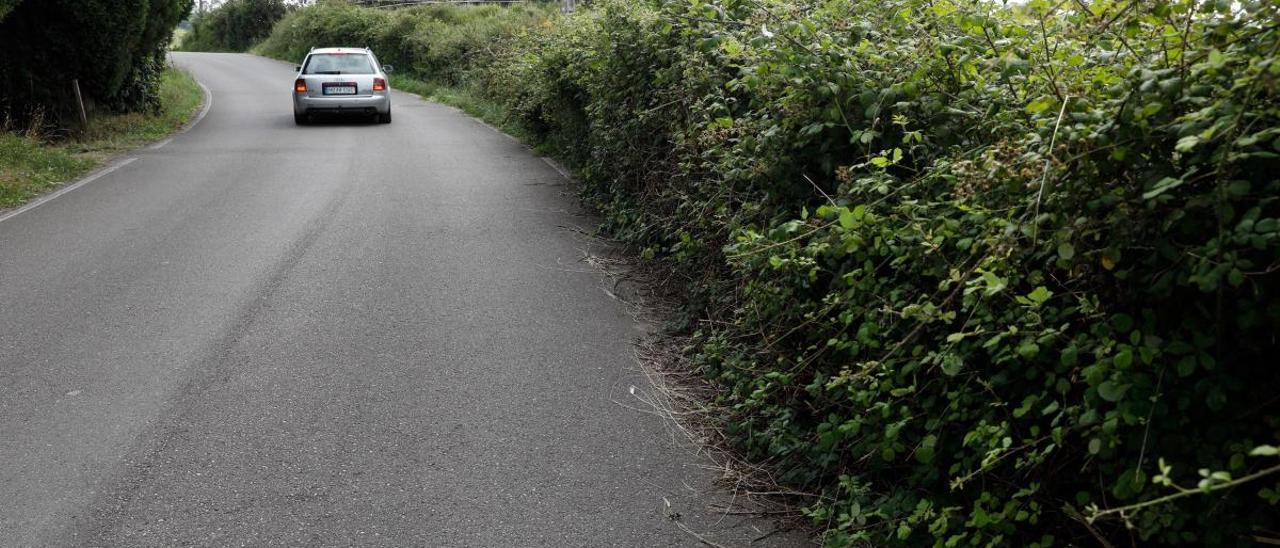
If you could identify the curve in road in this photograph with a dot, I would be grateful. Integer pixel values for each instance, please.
(340, 334)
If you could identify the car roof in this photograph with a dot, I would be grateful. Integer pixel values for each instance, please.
(340, 50)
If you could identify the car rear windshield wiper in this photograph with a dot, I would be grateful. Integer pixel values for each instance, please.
(327, 72)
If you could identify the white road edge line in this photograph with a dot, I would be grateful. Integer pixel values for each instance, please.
(556, 166)
(490, 126)
(208, 102)
(50, 197)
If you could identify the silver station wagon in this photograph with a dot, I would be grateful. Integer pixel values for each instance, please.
(345, 81)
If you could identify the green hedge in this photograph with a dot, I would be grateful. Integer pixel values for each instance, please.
(976, 275)
(115, 48)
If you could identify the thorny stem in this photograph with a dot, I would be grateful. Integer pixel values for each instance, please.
(1183, 493)
(1044, 176)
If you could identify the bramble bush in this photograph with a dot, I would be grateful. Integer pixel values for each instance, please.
(978, 275)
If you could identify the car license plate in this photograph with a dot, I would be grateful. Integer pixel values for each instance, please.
(339, 89)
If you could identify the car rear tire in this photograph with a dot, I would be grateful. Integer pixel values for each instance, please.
(300, 119)
(385, 118)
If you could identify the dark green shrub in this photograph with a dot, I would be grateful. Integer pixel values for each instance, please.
(234, 26)
(972, 272)
(111, 46)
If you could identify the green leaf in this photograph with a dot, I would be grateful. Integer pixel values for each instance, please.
(847, 220)
(1235, 277)
(732, 47)
(1238, 189)
(1216, 58)
(1265, 451)
(951, 364)
(1112, 391)
(924, 454)
(1038, 106)
(1069, 357)
(995, 284)
(1095, 446)
(1039, 295)
(1124, 359)
(1049, 409)
(1163, 185)
(1187, 143)
(1066, 251)
(1186, 366)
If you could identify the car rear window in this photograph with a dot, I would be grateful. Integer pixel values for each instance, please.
(338, 63)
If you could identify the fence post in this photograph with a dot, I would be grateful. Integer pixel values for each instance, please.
(84, 119)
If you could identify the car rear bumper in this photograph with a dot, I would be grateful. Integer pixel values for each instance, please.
(303, 104)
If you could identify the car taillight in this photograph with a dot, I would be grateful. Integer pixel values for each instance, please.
(299, 86)
(379, 84)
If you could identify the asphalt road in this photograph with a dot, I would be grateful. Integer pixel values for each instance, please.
(346, 334)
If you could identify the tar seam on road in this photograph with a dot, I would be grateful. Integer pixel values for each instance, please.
(98, 174)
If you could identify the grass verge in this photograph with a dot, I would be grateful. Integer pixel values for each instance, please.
(31, 165)
(465, 98)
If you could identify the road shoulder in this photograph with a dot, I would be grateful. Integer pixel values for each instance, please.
(34, 170)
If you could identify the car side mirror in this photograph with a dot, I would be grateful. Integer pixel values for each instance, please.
(297, 68)
(388, 69)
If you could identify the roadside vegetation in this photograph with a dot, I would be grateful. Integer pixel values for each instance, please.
(33, 161)
(103, 59)
(961, 273)
(235, 25)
